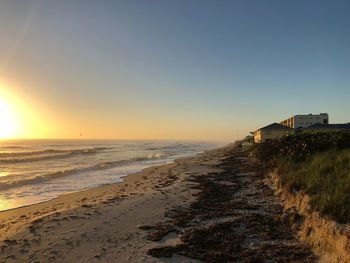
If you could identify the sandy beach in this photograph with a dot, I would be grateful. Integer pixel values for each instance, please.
(101, 224)
(213, 207)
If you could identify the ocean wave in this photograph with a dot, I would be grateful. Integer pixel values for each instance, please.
(49, 151)
(109, 165)
(43, 158)
(51, 176)
(171, 147)
(156, 155)
(38, 179)
(13, 147)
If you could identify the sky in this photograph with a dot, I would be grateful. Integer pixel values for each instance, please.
(155, 69)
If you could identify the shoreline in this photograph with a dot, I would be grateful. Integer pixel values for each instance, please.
(101, 187)
(35, 232)
(104, 185)
(213, 206)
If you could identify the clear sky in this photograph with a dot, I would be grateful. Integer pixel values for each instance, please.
(181, 69)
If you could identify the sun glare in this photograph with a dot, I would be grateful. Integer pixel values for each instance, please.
(19, 118)
(8, 122)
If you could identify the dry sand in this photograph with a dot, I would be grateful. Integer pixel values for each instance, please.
(103, 224)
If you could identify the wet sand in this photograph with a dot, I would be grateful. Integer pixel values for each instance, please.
(213, 208)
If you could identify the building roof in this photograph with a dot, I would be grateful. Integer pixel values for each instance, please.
(321, 126)
(276, 126)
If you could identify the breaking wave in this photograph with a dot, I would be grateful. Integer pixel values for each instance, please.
(59, 174)
(14, 157)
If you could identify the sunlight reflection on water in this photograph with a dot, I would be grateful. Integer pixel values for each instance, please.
(3, 174)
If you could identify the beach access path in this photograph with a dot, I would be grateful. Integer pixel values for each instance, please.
(213, 207)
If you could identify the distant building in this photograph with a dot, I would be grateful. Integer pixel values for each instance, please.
(296, 124)
(272, 131)
(328, 127)
(303, 121)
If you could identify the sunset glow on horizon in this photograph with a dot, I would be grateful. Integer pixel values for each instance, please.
(106, 70)
(8, 121)
(21, 120)
(18, 119)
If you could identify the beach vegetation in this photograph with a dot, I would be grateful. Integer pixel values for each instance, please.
(316, 163)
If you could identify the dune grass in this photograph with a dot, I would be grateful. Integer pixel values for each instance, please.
(316, 163)
(325, 176)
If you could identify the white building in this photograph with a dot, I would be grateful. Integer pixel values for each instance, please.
(303, 121)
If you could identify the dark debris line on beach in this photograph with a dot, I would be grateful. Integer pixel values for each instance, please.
(236, 218)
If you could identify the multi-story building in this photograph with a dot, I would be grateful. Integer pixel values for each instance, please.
(303, 121)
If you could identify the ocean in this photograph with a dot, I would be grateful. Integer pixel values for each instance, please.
(34, 171)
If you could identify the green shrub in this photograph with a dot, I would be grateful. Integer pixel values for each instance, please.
(316, 163)
(302, 145)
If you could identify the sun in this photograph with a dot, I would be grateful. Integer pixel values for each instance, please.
(20, 117)
(8, 121)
